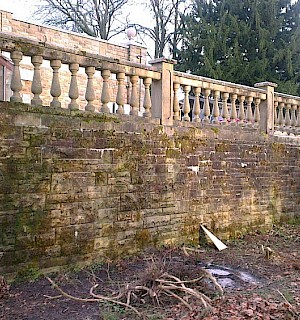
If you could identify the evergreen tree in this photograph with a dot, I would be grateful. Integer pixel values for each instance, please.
(243, 41)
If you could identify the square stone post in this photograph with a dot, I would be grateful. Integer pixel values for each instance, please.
(267, 112)
(162, 91)
(5, 21)
(136, 52)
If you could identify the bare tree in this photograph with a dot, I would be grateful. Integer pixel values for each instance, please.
(166, 15)
(97, 18)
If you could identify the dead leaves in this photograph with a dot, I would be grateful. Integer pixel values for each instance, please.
(240, 307)
(4, 288)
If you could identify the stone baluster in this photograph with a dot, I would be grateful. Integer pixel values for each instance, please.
(287, 119)
(256, 111)
(241, 109)
(280, 114)
(147, 98)
(186, 103)
(225, 114)
(176, 108)
(294, 117)
(249, 113)
(55, 90)
(206, 108)
(90, 92)
(196, 109)
(121, 92)
(105, 95)
(73, 90)
(134, 97)
(16, 83)
(298, 117)
(215, 110)
(276, 113)
(36, 86)
(233, 113)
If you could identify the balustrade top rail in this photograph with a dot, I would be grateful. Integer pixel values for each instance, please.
(31, 48)
(218, 85)
(287, 98)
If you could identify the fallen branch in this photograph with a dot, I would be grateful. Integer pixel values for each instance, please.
(178, 298)
(153, 282)
(214, 280)
(97, 298)
(186, 249)
(104, 298)
(287, 302)
(52, 297)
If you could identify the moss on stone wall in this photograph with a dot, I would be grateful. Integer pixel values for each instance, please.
(78, 186)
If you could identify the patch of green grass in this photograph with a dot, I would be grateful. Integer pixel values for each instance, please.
(111, 311)
(29, 273)
(106, 315)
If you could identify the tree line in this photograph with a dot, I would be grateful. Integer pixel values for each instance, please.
(242, 41)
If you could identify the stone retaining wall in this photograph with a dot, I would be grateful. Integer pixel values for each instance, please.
(77, 187)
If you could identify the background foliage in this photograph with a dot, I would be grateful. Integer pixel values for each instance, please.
(243, 41)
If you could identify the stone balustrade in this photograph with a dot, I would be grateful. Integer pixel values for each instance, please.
(110, 69)
(151, 91)
(286, 113)
(215, 101)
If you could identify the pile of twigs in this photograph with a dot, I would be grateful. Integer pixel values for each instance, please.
(164, 276)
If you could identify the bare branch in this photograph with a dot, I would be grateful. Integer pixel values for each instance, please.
(93, 17)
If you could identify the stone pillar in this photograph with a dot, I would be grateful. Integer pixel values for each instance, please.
(5, 21)
(267, 110)
(136, 52)
(162, 91)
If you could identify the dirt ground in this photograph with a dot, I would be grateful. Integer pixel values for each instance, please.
(255, 287)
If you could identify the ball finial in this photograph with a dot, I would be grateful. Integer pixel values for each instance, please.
(131, 33)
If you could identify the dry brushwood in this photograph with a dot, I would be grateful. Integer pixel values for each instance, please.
(161, 277)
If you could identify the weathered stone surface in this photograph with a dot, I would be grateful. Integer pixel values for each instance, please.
(73, 193)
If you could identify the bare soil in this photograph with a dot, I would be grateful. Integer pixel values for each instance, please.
(271, 292)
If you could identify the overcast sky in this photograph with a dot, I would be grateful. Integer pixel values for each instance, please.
(21, 9)
(24, 10)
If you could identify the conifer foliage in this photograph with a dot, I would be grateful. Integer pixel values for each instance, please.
(243, 41)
